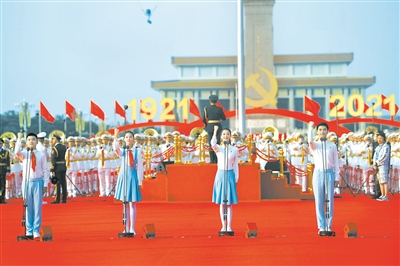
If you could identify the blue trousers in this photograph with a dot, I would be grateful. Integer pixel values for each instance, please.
(34, 198)
(323, 183)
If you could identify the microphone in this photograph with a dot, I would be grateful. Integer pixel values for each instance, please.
(226, 142)
(125, 147)
(28, 149)
(323, 139)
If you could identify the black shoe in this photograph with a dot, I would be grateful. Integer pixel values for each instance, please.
(376, 196)
(55, 202)
(64, 202)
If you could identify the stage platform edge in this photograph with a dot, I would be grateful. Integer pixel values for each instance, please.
(194, 183)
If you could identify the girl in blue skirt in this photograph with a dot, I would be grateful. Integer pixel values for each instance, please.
(129, 178)
(224, 192)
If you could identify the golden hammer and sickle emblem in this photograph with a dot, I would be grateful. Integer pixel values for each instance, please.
(268, 97)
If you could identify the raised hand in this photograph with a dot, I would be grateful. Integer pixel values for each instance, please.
(116, 131)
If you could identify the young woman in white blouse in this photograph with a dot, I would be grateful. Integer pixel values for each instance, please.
(224, 192)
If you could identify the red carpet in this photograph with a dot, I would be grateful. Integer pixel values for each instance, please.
(85, 233)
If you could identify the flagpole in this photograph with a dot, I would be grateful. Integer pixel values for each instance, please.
(237, 109)
(90, 124)
(241, 94)
(39, 117)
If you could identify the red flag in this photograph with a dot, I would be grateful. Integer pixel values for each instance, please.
(311, 105)
(193, 109)
(70, 111)
(386, 106)
(119, 110)
(46, 114)
(220, 105)
(332, 105)
(96, 111)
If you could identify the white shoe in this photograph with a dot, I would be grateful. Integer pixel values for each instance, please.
(28, 233)
(36, 235)
(384, 198)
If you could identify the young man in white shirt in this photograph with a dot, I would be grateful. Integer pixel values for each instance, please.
(35, 175)
(326, 176)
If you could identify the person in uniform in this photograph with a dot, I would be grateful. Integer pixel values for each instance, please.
(237, 141)
(271, 153)
(16, 170)
(4, 170)
(35, 175)
(71, 158)
(104, 166)
(299, 159)
(221, 190)
(168, 156)
(40, 147)
(129, 178)
(368, 184)
(58, 168)
(326, 175)
(212, 116)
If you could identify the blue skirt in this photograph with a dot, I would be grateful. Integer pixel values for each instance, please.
(132, 187)
(220, 189)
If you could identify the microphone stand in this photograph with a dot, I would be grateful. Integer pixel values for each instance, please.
(125, 233)
(327, 232)
(25, 204)
(225, 185)
(346, 175)
(77, 189)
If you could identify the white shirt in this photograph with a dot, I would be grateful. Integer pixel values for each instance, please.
(233, 157)
(139, 164)
(41, 169)
(331, 160)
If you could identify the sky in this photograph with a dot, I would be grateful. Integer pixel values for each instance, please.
(52, 51)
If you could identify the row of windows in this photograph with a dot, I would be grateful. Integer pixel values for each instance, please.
(208, 72)
(284, 70)
(290, 70)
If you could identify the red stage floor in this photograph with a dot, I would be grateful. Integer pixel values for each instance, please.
(85, 233)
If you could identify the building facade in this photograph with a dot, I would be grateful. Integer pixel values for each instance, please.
(273, 81)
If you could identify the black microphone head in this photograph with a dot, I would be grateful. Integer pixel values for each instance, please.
(28, 149)
(226, 142)
(126, 107)
(323, 139)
